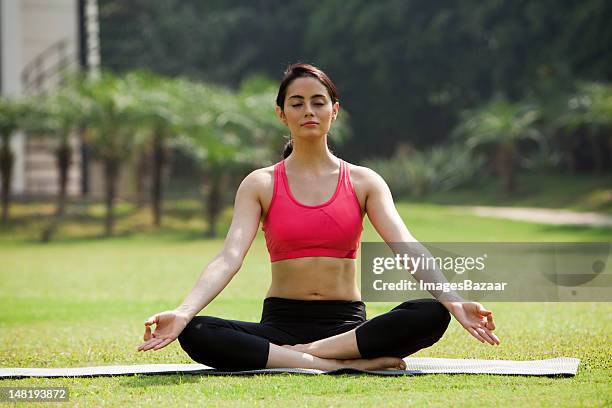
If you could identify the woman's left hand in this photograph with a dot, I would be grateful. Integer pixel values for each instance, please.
(474, 318)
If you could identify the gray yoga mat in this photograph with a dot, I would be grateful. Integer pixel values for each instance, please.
(562, 366)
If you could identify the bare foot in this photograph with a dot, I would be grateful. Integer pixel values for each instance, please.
(298, 347)
(380, 363)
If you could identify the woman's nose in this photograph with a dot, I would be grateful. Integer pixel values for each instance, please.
(309, 110)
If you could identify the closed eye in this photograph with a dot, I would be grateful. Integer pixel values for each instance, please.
(299, 104)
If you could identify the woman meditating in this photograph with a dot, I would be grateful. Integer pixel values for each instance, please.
(312, 205)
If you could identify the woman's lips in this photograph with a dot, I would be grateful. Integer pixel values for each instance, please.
(310, 124)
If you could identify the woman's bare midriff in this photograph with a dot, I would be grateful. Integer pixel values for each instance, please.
(314, 278)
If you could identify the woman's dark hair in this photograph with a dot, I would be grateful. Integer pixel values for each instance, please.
(302, 70)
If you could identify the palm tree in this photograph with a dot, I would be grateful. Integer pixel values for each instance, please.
(198, 134)
(499, 127)
(588, 112)
(224, 135)
(10, 113)
(110, 130)
(157, 110)
(56, 116)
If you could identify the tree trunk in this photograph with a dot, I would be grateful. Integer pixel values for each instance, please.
(214, 200)
(506, 163)
(572, 156)
(6, 170)
(156, 185)
(64, 153)
(85, 162)
(142, 172)
(577, 144)
(596, 153)
(111, 173)
(63, 156)
(608, 148)
(566, 142)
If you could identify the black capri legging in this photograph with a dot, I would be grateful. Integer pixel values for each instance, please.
(238, 345)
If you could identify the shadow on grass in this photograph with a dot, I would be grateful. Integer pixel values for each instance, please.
(158, 379)
(599, 231)
(136, 233)
(182, 222)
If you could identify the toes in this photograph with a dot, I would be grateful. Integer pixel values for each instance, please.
(397, 363)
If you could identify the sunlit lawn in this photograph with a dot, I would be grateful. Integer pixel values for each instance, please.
(579, 192)
(81, 300)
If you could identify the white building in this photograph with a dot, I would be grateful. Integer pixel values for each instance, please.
(37, 38)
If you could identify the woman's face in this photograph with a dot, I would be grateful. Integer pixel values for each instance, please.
(307, 101)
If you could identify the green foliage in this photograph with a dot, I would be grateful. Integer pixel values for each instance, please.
(155, 106)
(577, 122)
(108, 114)
(402, 67)
(217, 128)
(590, 105)
(56, 114)
(499, 123)
(420, 173)
(224, 130)
(11, 112)
(501, 128)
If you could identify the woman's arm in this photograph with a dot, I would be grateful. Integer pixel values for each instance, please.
(381, 211)
(220, 271)
(388, 223)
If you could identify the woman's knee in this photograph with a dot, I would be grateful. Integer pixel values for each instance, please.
(442, 317)
(195, 334)
(435, 316)
(213, 342)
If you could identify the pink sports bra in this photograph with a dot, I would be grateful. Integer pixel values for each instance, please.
(296, 230)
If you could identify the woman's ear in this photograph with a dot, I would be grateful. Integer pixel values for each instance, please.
(336, 108)
(281, 115)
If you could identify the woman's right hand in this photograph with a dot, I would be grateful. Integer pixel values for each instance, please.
(169, 325)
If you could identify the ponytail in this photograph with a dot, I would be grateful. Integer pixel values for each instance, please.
(288, 148)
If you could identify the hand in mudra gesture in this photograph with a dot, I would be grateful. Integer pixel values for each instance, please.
(477, 320)
(168, 326)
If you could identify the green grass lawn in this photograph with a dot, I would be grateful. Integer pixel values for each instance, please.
(578, 192)
(82, 300)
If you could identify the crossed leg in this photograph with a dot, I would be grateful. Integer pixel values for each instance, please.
(407, 328)
(378, 343)
(237, 345)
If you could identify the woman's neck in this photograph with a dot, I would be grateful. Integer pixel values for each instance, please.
(314, 156)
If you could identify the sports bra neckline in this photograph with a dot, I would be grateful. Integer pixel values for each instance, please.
(292, 197)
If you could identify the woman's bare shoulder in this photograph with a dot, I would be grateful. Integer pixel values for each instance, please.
(260, 180)
(362, 176)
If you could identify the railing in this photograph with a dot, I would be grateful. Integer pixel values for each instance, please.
(43, 72)
(40, 76)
